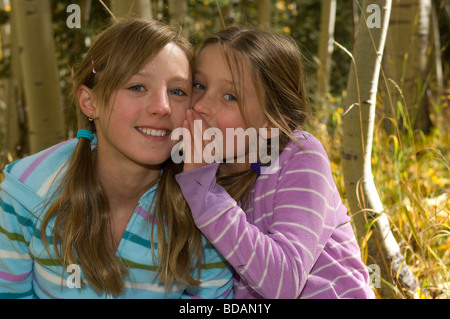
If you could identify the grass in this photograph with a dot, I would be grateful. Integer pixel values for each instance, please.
(412, 174)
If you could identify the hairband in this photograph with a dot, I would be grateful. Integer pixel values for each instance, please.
(85, 134)
(256, 167)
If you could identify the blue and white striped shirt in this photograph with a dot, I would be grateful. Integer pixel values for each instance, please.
(28, 270)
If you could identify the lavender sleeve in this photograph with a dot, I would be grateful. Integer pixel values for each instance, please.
(271, 263)
(294, 240)
(201, 192)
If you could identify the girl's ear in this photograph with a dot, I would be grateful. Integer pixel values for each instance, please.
(86, 101)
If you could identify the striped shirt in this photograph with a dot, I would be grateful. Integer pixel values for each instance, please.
(295, 240)
(27, 270)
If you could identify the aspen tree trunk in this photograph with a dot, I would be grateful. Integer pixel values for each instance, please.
(132, 8)
(436, 58)
(177, 12)
(326, 44)
(407, 57)
(355, 20)
(447, 9)
(358, 124)
(13, 142)
(264, 13)
(40, 73)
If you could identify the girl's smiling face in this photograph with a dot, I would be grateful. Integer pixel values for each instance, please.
(214, 95)
(136, 124)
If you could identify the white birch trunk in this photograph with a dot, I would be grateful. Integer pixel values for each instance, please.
(358, 124)
(326, 44)
(407, 58)
(14, 142)
(40, 73)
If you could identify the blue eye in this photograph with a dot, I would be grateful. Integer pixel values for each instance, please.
(177, 92)
(199, 86)
(137, 88)
(230, 98)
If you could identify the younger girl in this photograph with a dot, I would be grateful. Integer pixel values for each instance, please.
(90, 218)
(283, 229)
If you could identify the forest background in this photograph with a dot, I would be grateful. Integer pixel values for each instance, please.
(41, 40)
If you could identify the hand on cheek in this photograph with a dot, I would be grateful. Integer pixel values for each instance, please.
(194, 144)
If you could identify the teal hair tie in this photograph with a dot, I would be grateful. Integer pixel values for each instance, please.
(85, 134)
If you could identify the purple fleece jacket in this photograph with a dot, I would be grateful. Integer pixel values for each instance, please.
(295, 240)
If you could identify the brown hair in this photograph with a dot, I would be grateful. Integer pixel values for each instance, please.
(276, 67)
(118, 53)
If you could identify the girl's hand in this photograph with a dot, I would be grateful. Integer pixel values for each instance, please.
(194, 144)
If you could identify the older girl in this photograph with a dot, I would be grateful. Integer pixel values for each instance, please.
(283, 229)
(91, 217)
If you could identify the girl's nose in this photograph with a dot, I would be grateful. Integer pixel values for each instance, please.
(159, 104)
(203, 105)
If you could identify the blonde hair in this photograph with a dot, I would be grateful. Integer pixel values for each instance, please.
(80, 206)
(276, 68)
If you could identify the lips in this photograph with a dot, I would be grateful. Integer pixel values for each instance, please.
(152, 131)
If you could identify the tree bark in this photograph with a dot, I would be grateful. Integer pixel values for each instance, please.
(326, 44)
(355, 20)
(177, 12)
(407, 59)
(132, 8)
(40, 73)
(358, 125)
(13, 88)
(264, 13)
(435, 63)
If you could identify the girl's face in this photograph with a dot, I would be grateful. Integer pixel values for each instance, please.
(214, 95)
(136, 124)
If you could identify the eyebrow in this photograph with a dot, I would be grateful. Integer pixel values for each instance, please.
(176, 78)
(229, 82)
